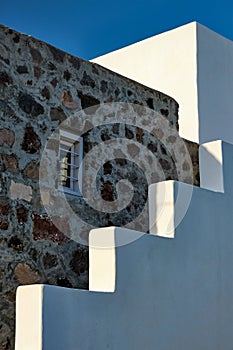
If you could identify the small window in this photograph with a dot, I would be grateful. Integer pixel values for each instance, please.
(70, 157)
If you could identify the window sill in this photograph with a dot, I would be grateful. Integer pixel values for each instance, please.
(68, 191)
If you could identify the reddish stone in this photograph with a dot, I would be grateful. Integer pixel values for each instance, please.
(57, 114)
(7, 136)
(107, 192)
(4, 208)
(22, 214)
(25, 274)
(68, 101)
(88, 101)
(44, 229)
(3, 225)
(10, 162)
(139, 134)
(45, 93)
(32, 170)
(63, 224)
(31, 142)
(10, 296)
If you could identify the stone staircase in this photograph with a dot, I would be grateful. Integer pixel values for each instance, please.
(171, 289)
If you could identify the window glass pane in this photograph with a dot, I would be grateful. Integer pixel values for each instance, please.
(65, 165)
(69, 163)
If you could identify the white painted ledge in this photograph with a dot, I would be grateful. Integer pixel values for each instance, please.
(168, 204)
(211, 166)
(102, 260)
(29, 313)
(169, 200)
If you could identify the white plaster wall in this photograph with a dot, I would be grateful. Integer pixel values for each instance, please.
(29, 311)
(215, 86)
(165, 62)
(192, 64)
(211, 170)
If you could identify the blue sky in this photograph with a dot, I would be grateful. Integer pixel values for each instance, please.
(90, 28)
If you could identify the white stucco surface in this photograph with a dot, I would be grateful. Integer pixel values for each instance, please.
(211, 169)
(29, 310)
(168, 293)
(102, 261)
(215, 86)
(192, 64)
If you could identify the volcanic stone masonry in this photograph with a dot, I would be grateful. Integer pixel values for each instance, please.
(40, 86)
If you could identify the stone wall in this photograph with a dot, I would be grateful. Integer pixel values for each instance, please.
(40, 87)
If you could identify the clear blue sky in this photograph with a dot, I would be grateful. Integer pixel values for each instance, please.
(89, 28)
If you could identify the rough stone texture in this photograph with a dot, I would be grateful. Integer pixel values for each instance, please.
(193, 150)
(7, 136)
(29, 105)
(44, 229)
(32, 170)
(20, 191)
(25, 274)
(40, 86)
(31, 142)
(10, 162)
(68, 100)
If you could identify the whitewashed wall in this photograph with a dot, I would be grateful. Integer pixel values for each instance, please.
(192, 64)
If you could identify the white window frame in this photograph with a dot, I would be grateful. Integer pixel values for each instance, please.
(76, 144)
